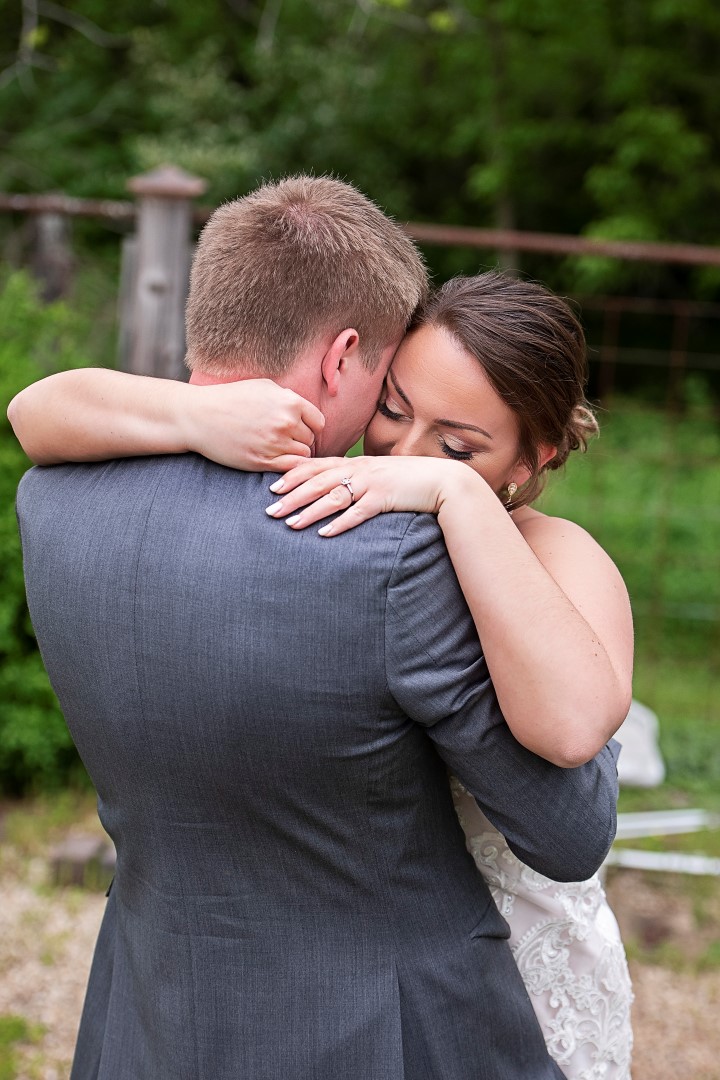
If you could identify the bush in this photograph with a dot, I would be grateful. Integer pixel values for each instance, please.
(35, 747)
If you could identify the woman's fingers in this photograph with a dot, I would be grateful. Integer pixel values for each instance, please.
(311, 416)
(326, 484)
(291, 452)
(291, 447)
(299, 448)
(301, 419)
(304, 434)
(315, 491)
(364, 508)
(306, 471)
(361, 511)
(325, 506)
(285, 462)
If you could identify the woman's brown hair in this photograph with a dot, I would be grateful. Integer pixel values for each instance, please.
(532, 348)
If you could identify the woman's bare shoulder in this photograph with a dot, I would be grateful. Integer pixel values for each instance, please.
(563, 546)
(548, 532)
(588, 577)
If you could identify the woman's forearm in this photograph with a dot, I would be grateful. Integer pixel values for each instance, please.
(559, 691)
(91, 414)
(94, 414)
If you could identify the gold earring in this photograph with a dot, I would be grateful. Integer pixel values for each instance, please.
(511, 489)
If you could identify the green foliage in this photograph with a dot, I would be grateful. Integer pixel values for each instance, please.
(14, 1030)
(710, 960)
(577, 116)
(561, 115)
(35, 747)
(649, 492)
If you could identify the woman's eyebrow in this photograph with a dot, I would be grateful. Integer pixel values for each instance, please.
(401, 392)
(440, 423)
(462, 427)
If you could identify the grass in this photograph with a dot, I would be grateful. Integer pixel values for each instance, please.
(670, 920)
(649, 492)
(15, 1031)
(29, 826)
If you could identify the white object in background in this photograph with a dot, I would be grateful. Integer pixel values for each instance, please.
(664, 823)
(667, 862)
(640, 763)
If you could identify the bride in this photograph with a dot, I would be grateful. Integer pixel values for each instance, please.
(485, 396)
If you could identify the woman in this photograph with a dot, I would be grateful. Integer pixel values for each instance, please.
(484, 397)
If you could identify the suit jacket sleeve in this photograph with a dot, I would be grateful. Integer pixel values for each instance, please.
(560, 822)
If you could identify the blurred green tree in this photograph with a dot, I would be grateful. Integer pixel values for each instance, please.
(582, 116)
(35, 745)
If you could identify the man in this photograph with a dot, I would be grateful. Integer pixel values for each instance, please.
(261, 713)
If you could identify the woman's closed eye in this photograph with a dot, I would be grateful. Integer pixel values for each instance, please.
(391, 414)
(453, 452)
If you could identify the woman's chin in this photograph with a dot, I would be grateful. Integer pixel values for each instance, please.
(371, 448)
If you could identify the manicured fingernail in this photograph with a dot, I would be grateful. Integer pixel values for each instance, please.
(277, 486)
(325, 531)
(293, 520)
(274, 509)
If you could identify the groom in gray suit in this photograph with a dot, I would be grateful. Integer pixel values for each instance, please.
(268, 718)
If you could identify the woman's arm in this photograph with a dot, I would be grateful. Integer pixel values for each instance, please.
(553, 615)
(550, 607)
(91, 414)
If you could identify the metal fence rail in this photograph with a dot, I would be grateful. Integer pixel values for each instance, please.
(671, 346)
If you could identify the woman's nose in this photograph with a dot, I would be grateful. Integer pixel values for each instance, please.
(408, 444)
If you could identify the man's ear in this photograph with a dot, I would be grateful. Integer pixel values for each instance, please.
(334, 362)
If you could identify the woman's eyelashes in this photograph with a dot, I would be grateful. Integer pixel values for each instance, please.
(391, 414)
(450, 451)
(457, 455)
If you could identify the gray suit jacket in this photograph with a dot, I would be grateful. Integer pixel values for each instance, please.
(268, 718)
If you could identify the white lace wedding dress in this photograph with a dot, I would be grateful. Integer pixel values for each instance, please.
(567, 945)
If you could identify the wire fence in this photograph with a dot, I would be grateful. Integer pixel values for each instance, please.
(649, 490)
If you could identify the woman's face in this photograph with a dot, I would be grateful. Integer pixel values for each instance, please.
(438, 402)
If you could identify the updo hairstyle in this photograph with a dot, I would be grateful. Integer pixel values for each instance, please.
(532, 349)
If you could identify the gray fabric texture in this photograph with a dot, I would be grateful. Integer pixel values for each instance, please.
(268, 718)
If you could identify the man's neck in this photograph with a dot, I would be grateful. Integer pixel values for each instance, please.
(201, 378)
(298, 379)
(303, 379)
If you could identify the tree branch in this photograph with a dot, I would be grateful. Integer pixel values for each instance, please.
(82, 24)
(268, 23)
(20, 69)
(393, 15)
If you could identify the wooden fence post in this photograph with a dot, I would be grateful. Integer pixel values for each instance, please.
(52, 260)
(155, 273)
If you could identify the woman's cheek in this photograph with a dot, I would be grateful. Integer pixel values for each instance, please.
(379, 439)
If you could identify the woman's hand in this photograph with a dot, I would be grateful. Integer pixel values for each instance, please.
(377, 486)
(253, 424)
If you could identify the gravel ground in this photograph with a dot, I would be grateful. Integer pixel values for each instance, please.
(47, 937)
(46, 944)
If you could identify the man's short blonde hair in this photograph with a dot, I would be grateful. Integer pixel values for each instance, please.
(293, 263)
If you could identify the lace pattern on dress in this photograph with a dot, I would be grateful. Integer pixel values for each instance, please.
(567, 946)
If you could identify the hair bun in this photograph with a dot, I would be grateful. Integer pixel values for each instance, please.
(581, 428)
